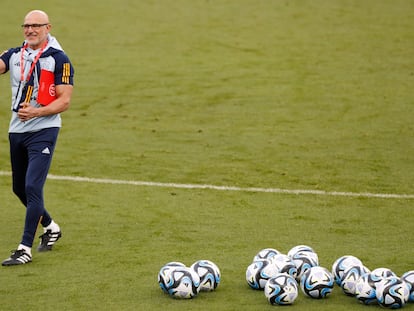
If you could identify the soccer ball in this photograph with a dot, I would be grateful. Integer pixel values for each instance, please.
(281, 289)
(259, 272)
(379, 274)
(209, 274)
(408, 278)
(299, 248)
(365, 289)
(304, 260)
(317, 282)
(342, 264)
(164, 275)
(350, 278)
(266, 253)
(183, 283)
(392, 292)
(284, 264)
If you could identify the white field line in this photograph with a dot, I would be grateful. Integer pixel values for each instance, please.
(223, 188)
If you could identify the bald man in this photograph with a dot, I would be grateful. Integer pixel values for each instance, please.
(41, 77)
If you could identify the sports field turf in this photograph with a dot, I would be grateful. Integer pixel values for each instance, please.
(292, 95)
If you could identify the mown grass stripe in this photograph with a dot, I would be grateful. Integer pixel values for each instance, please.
(224, 188)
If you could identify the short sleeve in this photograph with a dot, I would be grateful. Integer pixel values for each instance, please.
(63, 69)
(6, 55)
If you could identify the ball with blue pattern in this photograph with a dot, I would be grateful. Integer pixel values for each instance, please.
(179, 282)
(408, 277)
(281, 289)
(342, 264)
(350, 279)
(164, 275)
(392, 292)
(259, 272)
(317, 282)
(209, 274)
(266, 253)
(365, 290)
(303, 261)
(284, 264)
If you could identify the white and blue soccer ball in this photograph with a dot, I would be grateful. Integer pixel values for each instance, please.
(281, 289)
(265, 253)
(379, 274)
(392, 292)
(209, 274)
(284, 264)
(164, 275)
(365, 290)
(408, 277)
(300, 248)
(303, 260)
(181, 282)
(342, 264)
(350, 279)
(259, 272)
(317, 282)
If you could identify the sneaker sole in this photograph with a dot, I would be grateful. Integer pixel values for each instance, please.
(14, 263)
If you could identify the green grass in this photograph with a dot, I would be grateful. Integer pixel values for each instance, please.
(313, 95)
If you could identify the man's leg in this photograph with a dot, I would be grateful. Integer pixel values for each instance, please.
(40, 147)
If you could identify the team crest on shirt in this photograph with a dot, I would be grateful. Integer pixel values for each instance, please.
(52, 90)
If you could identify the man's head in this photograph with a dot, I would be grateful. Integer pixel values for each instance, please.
(36, 27)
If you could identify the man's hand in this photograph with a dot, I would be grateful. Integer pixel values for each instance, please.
(27, 112)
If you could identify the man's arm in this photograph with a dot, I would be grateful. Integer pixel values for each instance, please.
(2, 66)
(60, 104)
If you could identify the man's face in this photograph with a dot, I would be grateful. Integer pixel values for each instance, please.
(36, 28)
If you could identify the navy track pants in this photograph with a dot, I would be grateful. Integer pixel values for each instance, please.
(31, 156)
